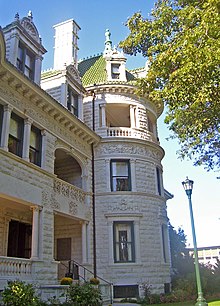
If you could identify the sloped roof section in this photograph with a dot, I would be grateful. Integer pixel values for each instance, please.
(93, 71)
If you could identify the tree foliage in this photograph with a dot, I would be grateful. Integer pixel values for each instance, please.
(181, 39)
(182, 262)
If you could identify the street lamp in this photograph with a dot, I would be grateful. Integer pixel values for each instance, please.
(188, 187)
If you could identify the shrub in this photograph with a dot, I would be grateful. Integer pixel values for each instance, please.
(66, 281)
(94, 281)
(18, 293)
(154, 298)
(83, 295)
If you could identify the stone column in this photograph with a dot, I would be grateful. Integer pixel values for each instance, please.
(43, 149)
(6, 126)
(133, 174)
(26, 141)
(84, 243)
(111, 246)
(80, 107)
(137, 241)
(13, 51)
(108, 179)
(103, 115)
(35, 233)
(132, 116)
(37, 69)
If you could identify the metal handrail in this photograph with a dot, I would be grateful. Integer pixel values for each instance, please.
(73, 262)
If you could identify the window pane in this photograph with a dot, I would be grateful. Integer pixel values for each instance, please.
(20, 53)
(120, 168)
(28, 61)
(35, 146)
(14, 128)
(123, 242)
(33, 139)
(120, 184)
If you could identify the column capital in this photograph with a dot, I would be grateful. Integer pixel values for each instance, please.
(36, 208)
(28, 121)
(43, 132)
(7, 108)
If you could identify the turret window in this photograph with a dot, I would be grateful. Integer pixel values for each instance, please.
(123, 241)
(25, 61)
(120, 175)
(115, 71)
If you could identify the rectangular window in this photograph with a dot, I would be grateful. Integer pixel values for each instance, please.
(120, 175)
(123, 237)
(126, 291)
(35, 146)
(15, 140)
(115, 71)
(164, 231)
(25, 61)
(73, 102)
(19, 239)
(158, 181)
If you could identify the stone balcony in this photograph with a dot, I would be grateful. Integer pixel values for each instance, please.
(71, 199)
(127, 132)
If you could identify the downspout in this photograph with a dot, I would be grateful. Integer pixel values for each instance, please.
(93, 188)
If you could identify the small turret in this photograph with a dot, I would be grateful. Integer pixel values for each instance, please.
(115, 61)
(24, 46)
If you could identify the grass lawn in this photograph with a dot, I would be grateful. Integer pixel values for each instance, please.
(215, 303)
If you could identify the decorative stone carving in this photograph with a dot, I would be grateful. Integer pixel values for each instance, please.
(109, 149)
(73, 208)
(69, 191)
(71, 69)
(123, 207)
(54, 203)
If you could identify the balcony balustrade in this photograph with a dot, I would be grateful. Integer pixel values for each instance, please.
(68, 190)
(15, 267)
(130, 132)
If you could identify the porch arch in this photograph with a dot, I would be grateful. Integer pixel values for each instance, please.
(68, 168)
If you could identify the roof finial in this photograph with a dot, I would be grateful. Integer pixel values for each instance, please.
(108, 42)
(30, 15)
(16, 16)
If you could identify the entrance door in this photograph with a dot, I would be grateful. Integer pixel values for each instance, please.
(19, 239)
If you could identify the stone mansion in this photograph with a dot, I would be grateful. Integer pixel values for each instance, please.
(81, 188)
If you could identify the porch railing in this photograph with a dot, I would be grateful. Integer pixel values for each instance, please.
(68, 190)
(15, 267)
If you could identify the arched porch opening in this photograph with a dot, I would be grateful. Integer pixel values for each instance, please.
(67, 168)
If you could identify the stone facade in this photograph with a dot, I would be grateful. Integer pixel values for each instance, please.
(78, 160)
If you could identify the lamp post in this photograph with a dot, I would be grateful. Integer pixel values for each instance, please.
(188, 187)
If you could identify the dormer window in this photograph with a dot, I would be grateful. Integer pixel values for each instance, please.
(115, 71)
(25, 61)
(73, 102)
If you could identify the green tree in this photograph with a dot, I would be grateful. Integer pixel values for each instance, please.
(182, 262)
(181, 40)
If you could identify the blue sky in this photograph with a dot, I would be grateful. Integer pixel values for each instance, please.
(94, 17)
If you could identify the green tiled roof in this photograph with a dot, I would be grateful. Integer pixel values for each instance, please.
(93, 71)
(49, 73)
